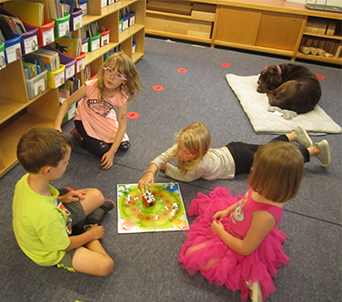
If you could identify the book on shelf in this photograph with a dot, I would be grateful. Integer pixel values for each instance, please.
(10, 24)
(28, 11)
(68, 46)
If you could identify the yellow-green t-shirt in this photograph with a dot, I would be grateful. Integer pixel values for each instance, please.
(39, 226)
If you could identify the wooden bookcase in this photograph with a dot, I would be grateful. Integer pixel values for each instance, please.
(18, 113)
(269, 26)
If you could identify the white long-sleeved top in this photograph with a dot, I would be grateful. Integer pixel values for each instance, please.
(216, 163)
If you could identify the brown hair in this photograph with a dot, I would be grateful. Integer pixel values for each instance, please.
(40, 147)
(196, 139)
(124, 65)
(277, 171)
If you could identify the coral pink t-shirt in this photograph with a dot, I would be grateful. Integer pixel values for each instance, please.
(99, 120)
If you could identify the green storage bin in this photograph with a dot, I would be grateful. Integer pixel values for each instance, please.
(94, 42)
(62, 26)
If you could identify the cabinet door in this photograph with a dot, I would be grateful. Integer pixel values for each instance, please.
(277, 30)
(237, 25)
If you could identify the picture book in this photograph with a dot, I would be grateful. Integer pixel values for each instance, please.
(48, 61)
(53, 54)
(30, 12)
(68, 46)
(159, 209)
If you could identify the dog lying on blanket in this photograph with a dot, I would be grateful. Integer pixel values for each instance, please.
(290, 86)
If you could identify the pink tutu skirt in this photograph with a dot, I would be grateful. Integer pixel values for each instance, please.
(204, 251)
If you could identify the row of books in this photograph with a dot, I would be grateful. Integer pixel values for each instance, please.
(35, 62)
(57, 8)
(9, 24)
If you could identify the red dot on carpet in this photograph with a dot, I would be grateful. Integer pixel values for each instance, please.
(182, 70)
(158, 88)
(132, 115)
(225, 64)
(320, 76)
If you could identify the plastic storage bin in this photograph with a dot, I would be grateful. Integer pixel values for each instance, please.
(83, 6)
(13, 48)
(45, 32)
(80, 62)
(94, 42)
(29, 40)
(2, 56)
(85, 46)
(105, 37)
(103, 3)
(37, 84)
(68, 62)
(134, 44)
(76, 19)
(125, 22)
(131, 18)
(62, 26)
(56, 78)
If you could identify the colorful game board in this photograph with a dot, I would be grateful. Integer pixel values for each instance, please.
(168, 213)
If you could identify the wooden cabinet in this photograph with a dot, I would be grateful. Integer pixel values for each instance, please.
(269, 26)
(18, 113)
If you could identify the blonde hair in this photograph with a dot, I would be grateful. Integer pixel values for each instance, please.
(124, 65)
(277, 171)
(196, 139)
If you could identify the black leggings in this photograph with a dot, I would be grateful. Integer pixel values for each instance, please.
(91, 144)
(243, 154)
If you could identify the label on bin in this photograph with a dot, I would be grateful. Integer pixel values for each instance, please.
(69, 71)
(104, 40)
(59, 79)
(63, 28)
(2, 60)
(31, 44)
(13, 53)
(77, 22)
(39, 87)
(80, 65)
(48, 37)
(95, 44)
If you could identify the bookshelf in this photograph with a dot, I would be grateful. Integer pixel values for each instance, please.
(18, 113)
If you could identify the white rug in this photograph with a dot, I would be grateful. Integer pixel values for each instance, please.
(256, 106)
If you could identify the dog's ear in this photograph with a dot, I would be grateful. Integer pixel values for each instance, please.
(274, 81)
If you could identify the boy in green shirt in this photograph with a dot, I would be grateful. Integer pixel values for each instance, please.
(43, 221)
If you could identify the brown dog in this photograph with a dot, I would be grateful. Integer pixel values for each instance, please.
(290, 86)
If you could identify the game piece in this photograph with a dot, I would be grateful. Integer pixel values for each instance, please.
(148, 199)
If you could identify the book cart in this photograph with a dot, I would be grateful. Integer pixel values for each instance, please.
(22, 106)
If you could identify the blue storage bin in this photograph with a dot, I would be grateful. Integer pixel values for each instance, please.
(29, 39)
(13, 48)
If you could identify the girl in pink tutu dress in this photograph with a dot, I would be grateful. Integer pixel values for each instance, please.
(234, 241)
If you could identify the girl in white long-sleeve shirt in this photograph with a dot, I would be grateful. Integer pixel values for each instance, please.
(195, 158)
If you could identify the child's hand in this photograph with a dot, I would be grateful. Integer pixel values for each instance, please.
(217, 226)
(107, 160)
(219, 215)
(72, 196)
(98, 231)
(145, 181)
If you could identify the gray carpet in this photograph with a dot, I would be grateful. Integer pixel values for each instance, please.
(146, 266)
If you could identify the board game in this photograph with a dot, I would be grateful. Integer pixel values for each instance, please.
(165, 213)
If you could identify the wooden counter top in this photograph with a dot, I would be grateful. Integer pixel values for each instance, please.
(276, 6)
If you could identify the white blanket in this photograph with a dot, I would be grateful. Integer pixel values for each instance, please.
(255, 104)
